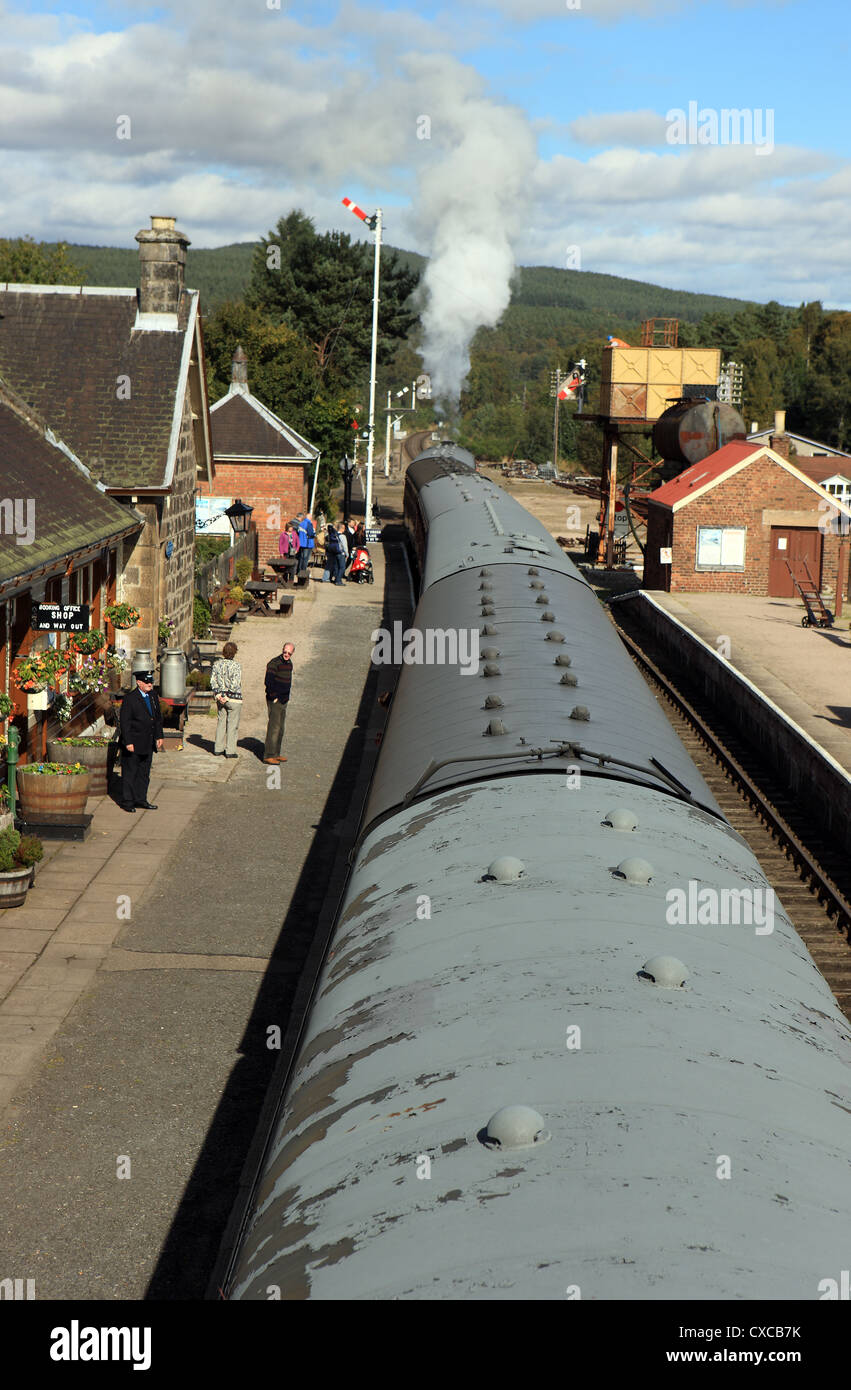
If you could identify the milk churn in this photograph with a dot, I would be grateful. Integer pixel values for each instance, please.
(142, 660)
(173, 674)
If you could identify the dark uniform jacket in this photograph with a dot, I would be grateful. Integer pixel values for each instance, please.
(137, 725)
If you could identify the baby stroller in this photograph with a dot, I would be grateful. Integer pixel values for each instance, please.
(361, 567)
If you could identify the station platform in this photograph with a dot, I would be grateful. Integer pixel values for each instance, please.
(806, 672)
(141, 979)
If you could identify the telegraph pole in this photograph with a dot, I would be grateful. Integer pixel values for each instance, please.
(374, 223)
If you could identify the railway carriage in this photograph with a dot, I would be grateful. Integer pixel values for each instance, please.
(540, 1063)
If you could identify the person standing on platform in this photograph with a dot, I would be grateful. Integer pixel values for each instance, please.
(226, 685)
(279, 679)
(306, 544)
(141, 729)
(342, 553)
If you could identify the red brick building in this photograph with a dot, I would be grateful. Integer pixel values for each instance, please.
(730, 524)
(259, 459)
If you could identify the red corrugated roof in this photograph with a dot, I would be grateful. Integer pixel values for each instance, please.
(710, 470)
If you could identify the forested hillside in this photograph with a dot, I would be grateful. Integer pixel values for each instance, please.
(797, 359)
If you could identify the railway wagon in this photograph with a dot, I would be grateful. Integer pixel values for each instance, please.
(564, 1044)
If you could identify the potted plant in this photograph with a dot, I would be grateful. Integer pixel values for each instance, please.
(18, 856)
(202, 696)
(92, 751)
(244, 570)
(122, 615)
(7, 705)
(52, 791)
(92, 677)
(165, 633)
(6, 817)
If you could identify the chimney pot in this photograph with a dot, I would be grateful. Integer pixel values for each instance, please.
(239, 368)
(780, 422)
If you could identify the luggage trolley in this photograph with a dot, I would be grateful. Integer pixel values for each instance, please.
(816, 615)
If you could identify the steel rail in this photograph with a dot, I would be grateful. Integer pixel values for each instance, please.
(820, 883)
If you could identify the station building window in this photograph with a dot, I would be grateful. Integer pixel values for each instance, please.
(721, 548)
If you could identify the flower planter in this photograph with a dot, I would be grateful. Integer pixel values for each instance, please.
(95, 758)
(207, 646)
(14, 887)
(51, 797)
(37, 700)
(221, 632)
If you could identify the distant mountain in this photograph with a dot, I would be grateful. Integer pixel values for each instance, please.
(540, 293)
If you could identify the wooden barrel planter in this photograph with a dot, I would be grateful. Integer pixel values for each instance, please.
(14, 887)
(94, 757)
(51, 797)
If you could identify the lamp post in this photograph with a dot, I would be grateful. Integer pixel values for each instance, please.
(347, 468)
(374, 223)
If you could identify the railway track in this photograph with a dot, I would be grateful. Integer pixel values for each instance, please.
(808, 874)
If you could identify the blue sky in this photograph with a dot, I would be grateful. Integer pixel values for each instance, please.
(548, 128)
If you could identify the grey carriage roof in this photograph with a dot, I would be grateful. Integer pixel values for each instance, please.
(427, 1024)
(439, 713)
(479, 524)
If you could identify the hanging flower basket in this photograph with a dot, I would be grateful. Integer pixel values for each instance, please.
(36, 673)
(87, 643)
(38, 700)
(122, 615)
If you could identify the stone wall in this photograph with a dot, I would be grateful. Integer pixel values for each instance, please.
(178, 526)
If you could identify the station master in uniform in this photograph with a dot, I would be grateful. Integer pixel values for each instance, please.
(141, 730)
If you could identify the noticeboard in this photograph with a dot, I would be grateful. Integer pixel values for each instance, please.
(373, 536)
(59, 617)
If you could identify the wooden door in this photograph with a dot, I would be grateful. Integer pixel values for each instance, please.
(795, 544)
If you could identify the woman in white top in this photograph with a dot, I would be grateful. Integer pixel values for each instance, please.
(226, 685)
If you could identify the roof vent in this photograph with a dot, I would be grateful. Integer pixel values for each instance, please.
(489, 630)
(488, 610)
(506, 869)
(490, 669)
(542, 598)
(515, 1127)
(621, 818)
(532, 570)
(496, 728)
(490, 653)
(665, 971)
(562, 660)
(568, 679)
(493, 702)
(548, 617)
(580, 712)
(554, 636)
(483, 574)
(636, 871)
(486, 584)
(536, 583)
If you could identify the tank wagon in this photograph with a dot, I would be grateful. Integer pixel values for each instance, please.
(563, 1044)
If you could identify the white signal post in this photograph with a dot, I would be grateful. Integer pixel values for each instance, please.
(374, 223)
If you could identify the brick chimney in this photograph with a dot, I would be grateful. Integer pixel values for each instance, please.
(162, 253)
(779, 440)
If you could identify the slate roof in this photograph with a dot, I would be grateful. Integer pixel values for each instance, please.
(243, 428)
(820, 467)
(62, 349)
(68, 511)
